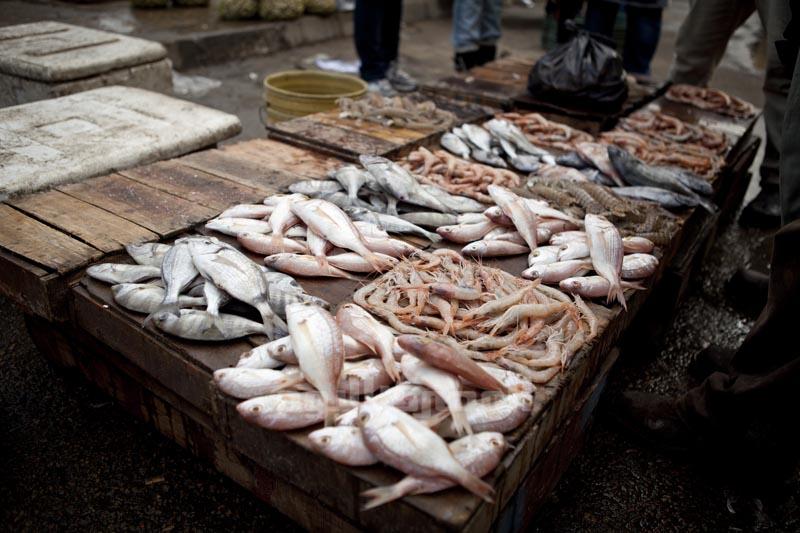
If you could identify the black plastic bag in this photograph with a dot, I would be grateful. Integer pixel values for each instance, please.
(581, 73)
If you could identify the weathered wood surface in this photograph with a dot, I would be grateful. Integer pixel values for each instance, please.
(348, 138)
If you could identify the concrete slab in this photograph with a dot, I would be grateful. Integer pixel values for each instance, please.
(99, 131)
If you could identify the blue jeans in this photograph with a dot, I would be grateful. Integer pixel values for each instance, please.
(476, 23)
(641, 36)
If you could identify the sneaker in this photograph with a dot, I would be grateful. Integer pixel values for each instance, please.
(382, 87)
(464, 61)
(764, 211)
(486, 54)
(401, 80)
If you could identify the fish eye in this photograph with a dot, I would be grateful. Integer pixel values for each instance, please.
(325, 440)
(363, 417)
(256, 408)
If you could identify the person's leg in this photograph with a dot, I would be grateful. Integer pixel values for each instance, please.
(390, 30)
(790, 152)
(567, 10)
(367, 28)
(490, 30)
(600, 17)
(641, 38)
(466, 32)
(703, 37)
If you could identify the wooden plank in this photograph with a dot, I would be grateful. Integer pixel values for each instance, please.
(97, 227)
(299, 162)
(194, 185)
(40, 244)
(158, 211)
(242, 170)
(345, 140)
(387, 133)
(32, 288)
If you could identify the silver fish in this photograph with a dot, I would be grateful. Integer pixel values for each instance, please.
(314, 188)
(504, 129)
(430, 219)
(270, 244)
(446, 385)
(122, 273)
(392, 224)
(215, 298)
(663, 197)
(304, 265)
(235, 226)
(276, 199)
(343, 444)
(478, 137)
(262, 356)
(456, 203)
(555, 272)
(399, 183)
(198, 325)
(493, 249)
(599, 156)
(246, 383)
(489, 158)
(573, 250)
(234, 273)
(544, 255)
(592, 286)
(317, 342)
(519, 211)
(453, 144)
(479, 454)
(352, 179)
(637, 245)
(362, 326)
(363, 377)
(258, 211)
(465, 233)
(288, 410)
(145, 298)
(352, 262)
(148, 253)
(638, 266)
(177, 272)
(606, 251)
(402, 442)
(404, 396)
(284, 217)
(501, 414)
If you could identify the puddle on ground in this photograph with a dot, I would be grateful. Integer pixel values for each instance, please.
(194, 86)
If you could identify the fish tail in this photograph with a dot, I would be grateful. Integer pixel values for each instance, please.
(382, 495)
(291, 382)
(476, 486)
(378, 263)
(460, 422)
(274, 326)
(615, 291)
(390, 365)
(437, 419)
(331, 410)
(433, 237)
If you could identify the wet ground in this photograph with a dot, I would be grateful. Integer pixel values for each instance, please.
(71, 459)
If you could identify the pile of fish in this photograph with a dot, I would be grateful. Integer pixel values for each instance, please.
(398, 111)
(173, 283)
(395, 399)
(497, 143)
(571, 256)
(547, 133)
(632, 217)
(711, 100)
(484, 314)
(456, 175)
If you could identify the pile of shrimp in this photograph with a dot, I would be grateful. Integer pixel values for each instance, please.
(547, 133)
(397, 111)
(456, 175)
(711, 100)
(485, 313)
(661, 126)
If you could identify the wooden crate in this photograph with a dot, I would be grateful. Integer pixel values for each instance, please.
(46, 237)
(326, 132)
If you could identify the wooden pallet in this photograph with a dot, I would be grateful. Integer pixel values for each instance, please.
(48, 236)
(327, 133)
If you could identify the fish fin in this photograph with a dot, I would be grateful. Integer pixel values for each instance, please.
(436, 419)
(433, 237)
(331, 410)
(382, 495)
(390, 365)
(477, 486)
(705, 204)
(615, 291)
(274, 326)
(632, 285)
(291, 382)
(460, 422)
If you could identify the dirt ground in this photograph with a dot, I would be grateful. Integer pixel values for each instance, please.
(71, 459)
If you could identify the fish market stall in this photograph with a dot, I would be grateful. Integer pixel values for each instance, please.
(282, 233)
(375, 125)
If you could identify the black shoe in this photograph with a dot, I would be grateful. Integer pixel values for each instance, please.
(486, 53)
(656, 420)
(709, 360)
(747, 291)
(764, 211)
(464, 61)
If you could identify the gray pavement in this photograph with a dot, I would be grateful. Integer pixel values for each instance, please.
(73, 460)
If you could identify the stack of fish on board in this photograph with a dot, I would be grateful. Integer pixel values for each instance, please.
(483, 313)
(172, 282)
(497, 143)
(711, 100)
(547, 133)
(398, 111)
(383, 398)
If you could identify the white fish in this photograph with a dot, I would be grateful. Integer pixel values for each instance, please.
(263, 357)
(276, 199)
(592, 286)
(318, 345)
(514, 382)
(269, 245)
(199, 325)
(145, 298)
(148, 253)
(543, 255)
(235, 226)
(406, 444)
(499, 413)
(215, 298)
(576, 249)
(555, 272)
(287, 411)
(518, 210)
(493, 249)
(343, 444)
(352, 179)
(304, 265)
(177, 272)
(404, 396)
(606, 251)
(352, 262)
(246, 383)
(258, 211)
(363, 377)
(638, 266)
(446, 385)
(362, 326)
(122, 273)
(637, 245)
(283, 218)
(318, 247)
(465, 233)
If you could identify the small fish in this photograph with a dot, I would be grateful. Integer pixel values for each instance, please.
(513, 382)
(504, 129)
(343, 444)
(399, 183)
(592, 286)
(430, 219)
(145, 298)
(391, 247)
(576, 249)
(568, 236)
(453, 144)
(314, 188)
(304, 265)
(177, 272)
(404, 396)
(288, 410)
(488, 158)
(352, 179)
(269, 245)
(215, 298)
(122, 273)
(544, 255)
(663, 197)
(599, 156)
(363, 377)
(479, 454)
(572, 160)
(284, 217)
(493, 249)
(148, 253)
(519, 211)
(392, 224)
(606, 251)
(478, 137)
(246, 383)
(362, 326)
(370, 229)
(443, 383)
(525, 163)
(637, 245)
(400, 441)
(199, 325)
(259, 211)
(465, 233)
(448, 359)
(317, 342)
(638, 266)
(502, 414)
(453, 202)
(352, 262)
(276, 199)
(263, 356)
(555, 272)
(235, 226)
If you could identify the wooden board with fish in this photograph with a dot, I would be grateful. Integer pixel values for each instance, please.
(347, 135)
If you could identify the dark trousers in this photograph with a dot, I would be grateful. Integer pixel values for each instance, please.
(641, 36)
(566, 10)
(376, 31)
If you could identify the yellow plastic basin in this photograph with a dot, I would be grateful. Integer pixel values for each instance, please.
(297, 93)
